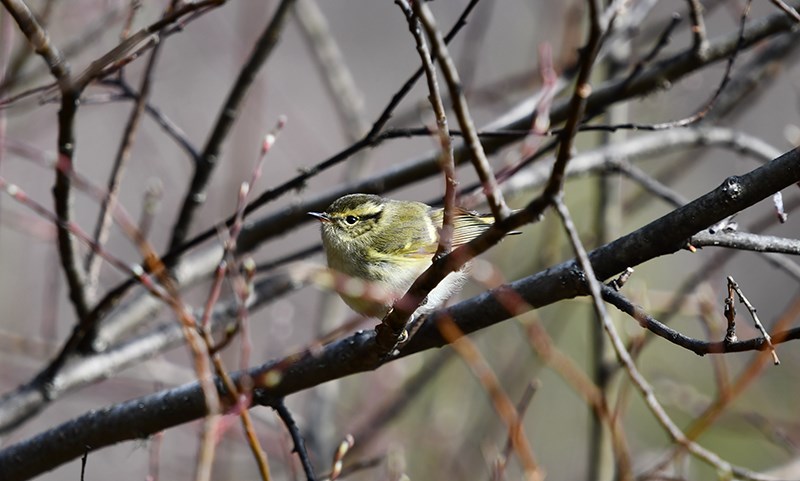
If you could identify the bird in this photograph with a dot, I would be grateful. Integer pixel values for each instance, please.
(387, 244)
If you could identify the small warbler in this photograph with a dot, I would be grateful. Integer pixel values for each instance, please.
(388, 244)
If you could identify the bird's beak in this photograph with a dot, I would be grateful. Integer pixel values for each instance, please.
(321, 216)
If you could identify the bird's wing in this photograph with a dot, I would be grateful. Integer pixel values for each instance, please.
(466, 225)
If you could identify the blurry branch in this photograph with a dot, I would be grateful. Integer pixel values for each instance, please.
(335, 75)
(407, 393)
(125, 91)
(756, 76)
(641, 148)
(787, 9)
(746, 241)
(357, 353)
(70, 91)
(195, 195)
(499, 468)
(506, 410)
(28, 399)
(565, 366)
(103, 226)
(699, 34)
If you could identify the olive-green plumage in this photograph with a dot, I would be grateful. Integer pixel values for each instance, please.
(390, 243)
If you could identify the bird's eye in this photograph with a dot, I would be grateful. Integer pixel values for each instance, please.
(351, 219)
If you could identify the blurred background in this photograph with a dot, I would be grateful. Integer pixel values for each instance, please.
(446, 425)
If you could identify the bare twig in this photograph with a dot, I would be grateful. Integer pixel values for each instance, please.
(297, 438)
(446, 161)
(477, 155)
(702, 50)
(498, 471)
(103, 225)
(636, 377)
(725, 398)
(169, 127)
(746, 241)
(699, 36)
(787, 9)
(227, 116)
(344, 447)
(752, 310)
(698, 346)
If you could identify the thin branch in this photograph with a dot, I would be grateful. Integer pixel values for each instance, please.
(169, 127)
(477, 154)
(746, 241)
(338, 79)
(299, 445)
(40, 41)
(752, 310)
(103, 226)
(228, 113)
(697, 346)
(699, 35)
(701, 49)
(446, 161)
(60, 69)
(645, 389)
(787, 9)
